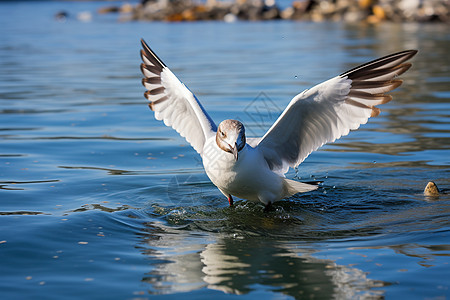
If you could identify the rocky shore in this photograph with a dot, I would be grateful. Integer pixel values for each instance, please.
(371, 11)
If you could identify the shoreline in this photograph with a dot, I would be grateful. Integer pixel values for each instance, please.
(349, 11)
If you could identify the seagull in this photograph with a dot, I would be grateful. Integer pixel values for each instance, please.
(254, 168)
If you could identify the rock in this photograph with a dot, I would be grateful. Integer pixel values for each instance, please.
(84, 16)
(126, 8)
(107, 10)
(230, 18)
(431, 189)
(365, 4)
(378, 12)
(61, 16)
(287, 13)
(354, 15)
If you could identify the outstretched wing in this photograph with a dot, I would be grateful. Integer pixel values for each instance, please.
(330, 110)
(173, 102)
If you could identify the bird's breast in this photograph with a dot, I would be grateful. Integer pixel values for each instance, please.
(219, 164)
(244, 178)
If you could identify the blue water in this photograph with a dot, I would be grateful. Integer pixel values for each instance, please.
(98, 200)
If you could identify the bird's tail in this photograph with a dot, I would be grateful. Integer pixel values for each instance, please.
(292, 187)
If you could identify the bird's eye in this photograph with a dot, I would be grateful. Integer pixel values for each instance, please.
(222, 134)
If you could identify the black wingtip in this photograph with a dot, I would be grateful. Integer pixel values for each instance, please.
(144, 45)
(150, 52)
(399, 58)
(410, 53)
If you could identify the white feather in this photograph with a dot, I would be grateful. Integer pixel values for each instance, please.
(174, 104)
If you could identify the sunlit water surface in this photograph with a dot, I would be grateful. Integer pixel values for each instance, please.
(98, 200)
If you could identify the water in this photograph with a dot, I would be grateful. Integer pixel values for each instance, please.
(100, 201)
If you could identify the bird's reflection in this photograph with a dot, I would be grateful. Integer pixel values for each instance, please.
(184, 261)
(175, 259)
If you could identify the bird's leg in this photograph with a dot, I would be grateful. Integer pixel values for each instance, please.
(230, 200)
(268, 207)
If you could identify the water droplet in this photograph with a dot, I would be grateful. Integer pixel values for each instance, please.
(295, 76)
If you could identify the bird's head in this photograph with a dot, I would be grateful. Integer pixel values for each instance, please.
(230, 137)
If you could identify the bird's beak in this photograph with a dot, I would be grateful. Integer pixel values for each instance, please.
(234, 150)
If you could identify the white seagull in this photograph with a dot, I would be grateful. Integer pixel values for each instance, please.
(254, 168)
